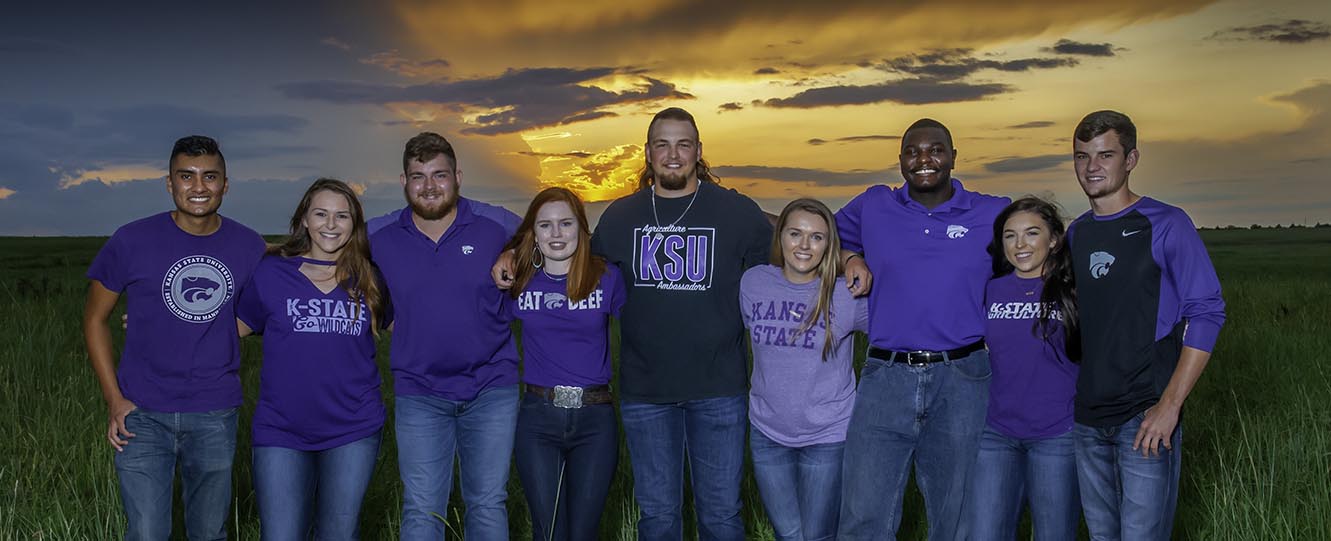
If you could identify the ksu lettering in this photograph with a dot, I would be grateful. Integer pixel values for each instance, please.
(328, 316)
(784, 336)
(538, 300)
(1022, 310)
(686, 257)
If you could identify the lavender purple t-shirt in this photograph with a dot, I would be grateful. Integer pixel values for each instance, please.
(1030, 395)
(566, 342)
(319, 385)
(181, 353)
(796, 398)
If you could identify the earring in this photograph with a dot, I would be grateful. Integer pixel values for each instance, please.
(536, 252)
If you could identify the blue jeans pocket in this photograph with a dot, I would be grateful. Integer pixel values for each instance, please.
(974, 367)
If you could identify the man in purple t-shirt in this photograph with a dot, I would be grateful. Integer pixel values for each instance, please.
(1150, 308)
(925, 386)
(173, 398)
(454, 362)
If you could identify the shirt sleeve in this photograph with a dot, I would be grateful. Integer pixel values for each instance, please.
(249, 306)
(746, 285)
(848, 224)
(759, 245)
(1189, 267)
(385, 300)
(506, 219)
(108, 267)
(379, 222)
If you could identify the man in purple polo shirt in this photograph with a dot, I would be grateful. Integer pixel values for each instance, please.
(173, 398)
(925, 386)
(1151, 310)
(454, 362)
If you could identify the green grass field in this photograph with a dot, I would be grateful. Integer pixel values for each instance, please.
(1257, 445)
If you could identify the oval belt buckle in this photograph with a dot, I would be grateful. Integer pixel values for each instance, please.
(567, 396)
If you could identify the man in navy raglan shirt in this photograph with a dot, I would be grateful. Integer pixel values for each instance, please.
(172, 400)
(1150, 308)
(454, 361)
(924, 387)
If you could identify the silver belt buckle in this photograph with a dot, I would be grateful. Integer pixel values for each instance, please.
(568, 397)
(922, 353)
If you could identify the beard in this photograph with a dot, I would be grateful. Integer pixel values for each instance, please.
(427, 212)
(673, 180)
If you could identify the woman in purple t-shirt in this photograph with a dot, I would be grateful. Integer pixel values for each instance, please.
(567, 442)
(1026, 451)
(800, 318)
(317, 301)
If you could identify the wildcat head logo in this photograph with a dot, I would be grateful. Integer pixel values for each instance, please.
(553, 300)
(1100, 263)
(467, 249)
(956, 231)
(196, 287)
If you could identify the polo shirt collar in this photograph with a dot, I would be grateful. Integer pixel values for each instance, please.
(962, 199)
(464, 216)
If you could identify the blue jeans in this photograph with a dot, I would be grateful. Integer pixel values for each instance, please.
(430, 431)
(931, 414)
(568, 455)
(203, 445)
(711, 431)
(800, 486)
(286, 482)
(1010, 470)
(1124, 494)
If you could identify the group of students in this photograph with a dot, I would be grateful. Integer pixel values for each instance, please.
(1008, 361)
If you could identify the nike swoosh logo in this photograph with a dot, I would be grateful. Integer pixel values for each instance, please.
(1131, 233)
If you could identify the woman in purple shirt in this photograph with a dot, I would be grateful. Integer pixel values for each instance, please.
(800, 318)
(567, 442)
(1026, 451)
(317, 302)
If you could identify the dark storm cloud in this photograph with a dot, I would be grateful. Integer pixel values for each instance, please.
(730, 106)
(1026, 164)
(1069, 47)
(954, 64)
(574, 154)
(519, 99)
(766, 71)
(853, 139)
(1293, 31)
(824, 177)
(1031, 124)
(906, 92)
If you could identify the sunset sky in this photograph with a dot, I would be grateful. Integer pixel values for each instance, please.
(794, 98)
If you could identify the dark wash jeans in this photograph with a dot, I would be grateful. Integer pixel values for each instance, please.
(1008, 472)
(1125, 495)
(319, 492)
(203, 445)
(569, 455)
(712, 432)
(800, 486)
(931, 415)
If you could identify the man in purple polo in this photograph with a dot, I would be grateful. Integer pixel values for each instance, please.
(454, 361)
(924, 388)
(1151, 310)
(172, 400)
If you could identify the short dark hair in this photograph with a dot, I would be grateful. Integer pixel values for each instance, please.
(427, 146)
(194, 146)
(1100, 122)
(927, 123)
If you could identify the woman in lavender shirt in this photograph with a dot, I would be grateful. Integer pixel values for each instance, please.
(317, 302)
(1026, 450)
(800, 318)
(567, 442)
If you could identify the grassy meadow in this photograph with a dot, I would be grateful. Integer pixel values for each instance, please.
(1257, 445)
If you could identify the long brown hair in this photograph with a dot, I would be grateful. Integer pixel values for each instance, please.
(1059, 295)
(646, 177)
(584, 271)
(354, 272)
(828, 269)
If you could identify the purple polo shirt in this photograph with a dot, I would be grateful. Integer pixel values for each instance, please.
(567, 342)
(319, 385)
(181, 353)
(929, 266)
(450, 338)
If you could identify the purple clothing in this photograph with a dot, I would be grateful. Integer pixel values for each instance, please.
(319, 385)
(450, 339)
(181, 353)
(501, 215)
(929, 266)
(1030, 394)
(797, 398)
(563, 342)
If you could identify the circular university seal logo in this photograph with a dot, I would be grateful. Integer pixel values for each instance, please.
(195, 288)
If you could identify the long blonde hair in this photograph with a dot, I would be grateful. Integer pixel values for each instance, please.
(828, 269)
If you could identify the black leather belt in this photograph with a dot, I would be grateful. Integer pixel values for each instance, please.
(925, 357)
(565, 396)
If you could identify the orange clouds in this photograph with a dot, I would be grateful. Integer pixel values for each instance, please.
(112, 175)
(6, 192)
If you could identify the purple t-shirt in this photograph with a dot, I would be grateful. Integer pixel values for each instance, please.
(563, 342)
(181, 353)
(1030, 395)
(929, 266)
(450, 337)
(797, 399)
(319, 386)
